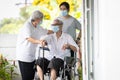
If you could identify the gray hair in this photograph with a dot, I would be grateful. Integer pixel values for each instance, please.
(36, 15)
(57, 22)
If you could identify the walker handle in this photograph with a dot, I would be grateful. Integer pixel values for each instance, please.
(45, 48)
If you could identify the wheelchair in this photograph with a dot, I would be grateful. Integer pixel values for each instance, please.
(67, 72)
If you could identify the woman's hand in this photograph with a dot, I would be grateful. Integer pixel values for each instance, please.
(43, 43)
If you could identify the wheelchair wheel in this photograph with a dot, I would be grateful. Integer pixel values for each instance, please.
(72, 74)
(69, 75)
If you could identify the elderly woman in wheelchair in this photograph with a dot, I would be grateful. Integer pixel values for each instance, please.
(59, 44)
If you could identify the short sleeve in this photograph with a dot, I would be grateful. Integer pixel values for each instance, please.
(43, 30)
(26, 31)
(77, 24)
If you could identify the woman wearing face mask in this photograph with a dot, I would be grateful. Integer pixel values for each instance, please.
(70, 24)
(60, 44)
(28, 38)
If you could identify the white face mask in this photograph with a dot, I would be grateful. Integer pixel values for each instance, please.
(64, 13)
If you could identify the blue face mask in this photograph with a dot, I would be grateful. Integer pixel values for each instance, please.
(64, 13)
(55, 28)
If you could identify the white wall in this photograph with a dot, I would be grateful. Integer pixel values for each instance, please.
(8, 49)
(107, 64)
(8, 45)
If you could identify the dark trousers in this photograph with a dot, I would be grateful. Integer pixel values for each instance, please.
(27, 70)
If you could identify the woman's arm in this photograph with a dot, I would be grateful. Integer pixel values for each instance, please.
(34, 41)
(79, 35)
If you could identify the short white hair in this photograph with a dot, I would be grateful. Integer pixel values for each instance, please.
(36, 15)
